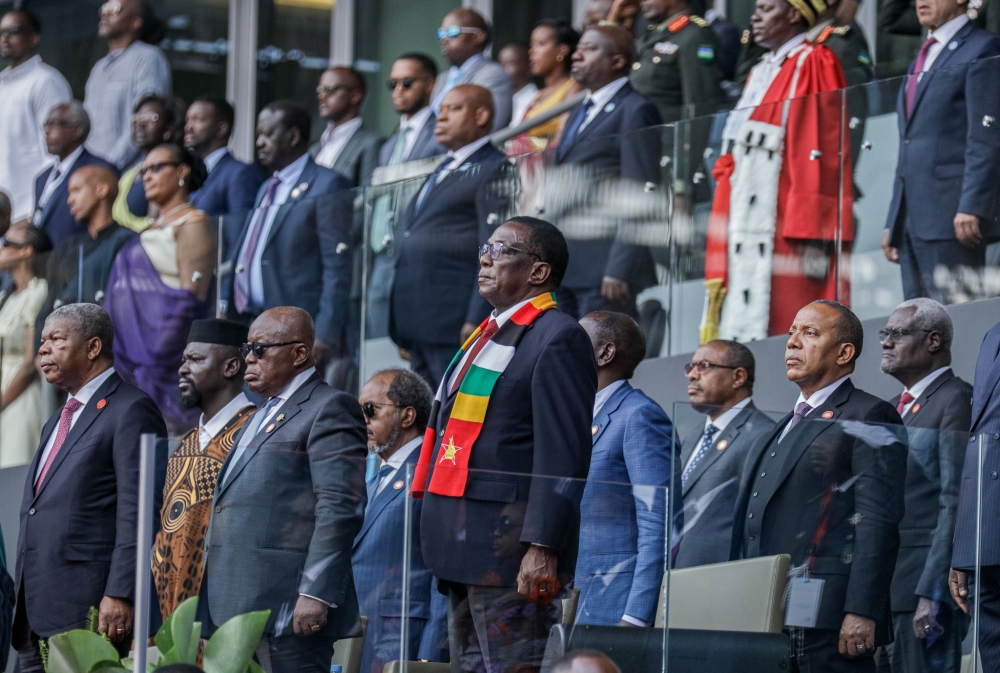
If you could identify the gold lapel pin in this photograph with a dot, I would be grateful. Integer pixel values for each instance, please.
(280, 418)
(721, 446)
(593, 430)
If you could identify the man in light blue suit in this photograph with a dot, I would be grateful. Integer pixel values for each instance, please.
(397, 405)
(624, 509)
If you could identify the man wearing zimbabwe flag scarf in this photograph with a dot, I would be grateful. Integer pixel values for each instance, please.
(506, 453)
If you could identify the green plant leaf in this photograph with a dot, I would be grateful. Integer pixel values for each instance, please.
(168, 657)
(229, 650)
(107, 666)
(78, 651)
(181, 631)
(253, 667)
(107, 669)
(128, 663)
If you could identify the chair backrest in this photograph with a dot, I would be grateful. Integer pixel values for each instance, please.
(569, 607)
(348, 652)
(743, 595)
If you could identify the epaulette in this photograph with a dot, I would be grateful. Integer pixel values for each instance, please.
(745, 38)
(698, 21)
(842, 30)
(678, 23)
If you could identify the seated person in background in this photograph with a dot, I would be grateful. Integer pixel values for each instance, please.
(513, 59)
(161, 280)
(66, 130)
(24, 410)
(346, 146)
(598, 12)
(720, 383)
(620, 566)
(156, 120)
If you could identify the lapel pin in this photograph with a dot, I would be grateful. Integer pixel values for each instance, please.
(721, 446)
(610, 107)
(341, 248)
(280, 418)
(300, 190)
(102, 404)
(269, 428)
(593, 430)
(952, 46)
(397, 485)
(916, 408)
(828, 415)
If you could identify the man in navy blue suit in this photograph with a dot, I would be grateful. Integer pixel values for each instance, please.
(945, 198)
(397, 405)
(435, 305)
(606, 273)
(294, 248)
(620, 566)
(231, 187)
(66, 130)
(985, 437)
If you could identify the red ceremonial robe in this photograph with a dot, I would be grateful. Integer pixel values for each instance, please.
(814, 190)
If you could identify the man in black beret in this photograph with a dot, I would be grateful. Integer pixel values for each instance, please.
(211, 379)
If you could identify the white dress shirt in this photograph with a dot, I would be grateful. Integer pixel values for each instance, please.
(920, 387)
(82, 396)
(500, 320)
(604, 394)
(452, 161)
(27, 93)
(522, 101)
(289, 177)
(815, 400)
(289, 390)
(213, 159)
(942, 37)
(207, 430)
(56, 178)
(724, 419)
(414, 123)
(334, 140)
(600, 98)
(396, 461)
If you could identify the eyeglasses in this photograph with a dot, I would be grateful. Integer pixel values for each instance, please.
(13, 31)
(111, 8)
(58, 123)
(897, 333)
(369, 408)
(4, 243)
(406, 83)
(496, 249)
(145, 118)
(156, 168)
(455, 31)
(327, 90)
(704, 365)
(257, 348)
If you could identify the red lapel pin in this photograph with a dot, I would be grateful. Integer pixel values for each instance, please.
(915, 409)
(827, 414)
(102, 404)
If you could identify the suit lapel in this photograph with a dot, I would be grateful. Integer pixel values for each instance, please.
(728, 436)
(604, 113)
(987, 375)
(347, 156)
(476, 66)
(388, 495)
(424, 138)
(603, 419)
(942, 59)
(924, 398)
(307, 177)
(801, 437)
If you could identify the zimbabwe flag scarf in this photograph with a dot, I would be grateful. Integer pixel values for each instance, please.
(451, 461)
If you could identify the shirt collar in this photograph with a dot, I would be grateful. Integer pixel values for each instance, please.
(781, 52)
(820, 396)
(296, 383)
(22, 69)
(417, 120)
(344, 131)
(290, 173)
(506, 315)
(944, 33)
(601, 97)
(88, 389)
(214, 425)
(726, 417)
(397, 459)
(67, 163)
(604, 394)
(712, 14)
(213, 159)
(921, 386)
(462, 155)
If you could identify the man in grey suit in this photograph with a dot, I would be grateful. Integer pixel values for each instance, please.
(346, 145)
(936, 407)
(464, 36)
(720, 383)
(288, 504)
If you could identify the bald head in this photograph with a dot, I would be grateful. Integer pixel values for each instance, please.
(285, 335)
(466, 116)
(99, 175)
(290, 323)
(585, 661)
(92, 193)
(603, 54)
(470, 41)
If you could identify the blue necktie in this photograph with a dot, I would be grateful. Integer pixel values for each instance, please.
(253, 427)
(382, 473)
(574, 127)
(706, 444)
(431, 183)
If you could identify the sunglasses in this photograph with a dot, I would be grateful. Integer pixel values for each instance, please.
(4, 243)
(13, 31)
(156, 168)
(257, 348)
(111, 8)
(703, 366)
(496, 249)
(327, 90)
(455, 31)
(406, 83)
(897, 333)
(370, 408)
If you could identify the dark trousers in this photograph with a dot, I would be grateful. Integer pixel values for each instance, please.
(945, 271)
(909, 654)
(296, 654)
(430, 361)
(579, 302)
(989, 616)
(495, 629)
(817, 651)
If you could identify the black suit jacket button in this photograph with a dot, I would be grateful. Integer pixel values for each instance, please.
(755, 494)
(993, 475)
(763, 474)
(751, 515)
(218, 509)
(751, 537)
(32, 510)
(996, 435)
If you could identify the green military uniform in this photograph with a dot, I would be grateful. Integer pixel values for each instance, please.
(678, 70)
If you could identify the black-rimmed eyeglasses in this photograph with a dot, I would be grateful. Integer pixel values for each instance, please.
(897, 333)
(703, 366)
(370, 408)
(496, 249)
(257, 348)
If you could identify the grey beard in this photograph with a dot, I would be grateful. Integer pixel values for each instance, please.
(379, 449)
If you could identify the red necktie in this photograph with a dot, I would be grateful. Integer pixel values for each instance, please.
(65, 421)
(914, 80)
(904, 399)
(487, 334)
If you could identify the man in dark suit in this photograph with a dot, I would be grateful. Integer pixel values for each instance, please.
(935, 406)
(600, 138)
(77, 543)
(397, 405)
(346, 145)
(288, 503)
(294, 248)
(826, 487)
(412, 81)
(501, 536)
(947, 190)
(720, 384)
(620, 565)
(444, 224)
(231, 187)
(66, 130)
(976, 515)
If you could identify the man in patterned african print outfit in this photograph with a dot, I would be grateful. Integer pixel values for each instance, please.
(211, 379)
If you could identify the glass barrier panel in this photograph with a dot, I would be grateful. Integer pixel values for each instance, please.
(974, 563)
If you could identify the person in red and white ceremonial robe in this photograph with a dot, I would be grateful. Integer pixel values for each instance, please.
(784, 180)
